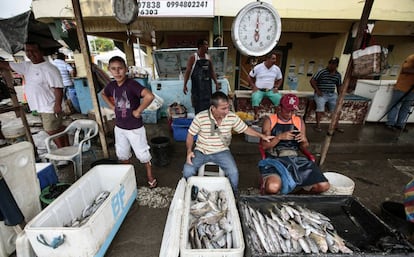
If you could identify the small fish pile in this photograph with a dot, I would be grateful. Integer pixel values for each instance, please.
(210, 224)
(159, 197)
(88, 211)
(291, 228)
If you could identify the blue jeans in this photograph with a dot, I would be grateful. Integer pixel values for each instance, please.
(223, 159)
(398, 115)
(320, 101)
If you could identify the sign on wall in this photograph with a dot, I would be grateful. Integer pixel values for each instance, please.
(180, 8)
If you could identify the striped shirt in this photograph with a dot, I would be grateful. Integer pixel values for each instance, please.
(211, 136)
(327, 82)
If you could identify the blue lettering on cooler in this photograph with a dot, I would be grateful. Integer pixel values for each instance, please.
(118, 202)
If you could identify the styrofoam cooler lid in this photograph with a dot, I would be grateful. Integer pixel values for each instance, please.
(340, 184)
(13, 128)
(170, 245)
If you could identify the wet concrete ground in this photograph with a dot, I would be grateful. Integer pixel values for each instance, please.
(378, 160)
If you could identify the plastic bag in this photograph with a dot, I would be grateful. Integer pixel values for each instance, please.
(409, 200)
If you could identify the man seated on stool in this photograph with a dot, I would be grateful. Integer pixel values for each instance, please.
(265, 80)
(213, 128)
(283, 170)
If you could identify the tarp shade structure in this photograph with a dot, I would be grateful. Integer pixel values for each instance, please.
(13, 32)
(17, 30)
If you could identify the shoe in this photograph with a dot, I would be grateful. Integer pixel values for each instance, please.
(317, 129)
(339, 130)
(390, 127)
(153, 184)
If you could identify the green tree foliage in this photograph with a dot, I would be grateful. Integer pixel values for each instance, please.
(102, 45)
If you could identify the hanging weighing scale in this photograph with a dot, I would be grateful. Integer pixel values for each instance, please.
(256, 29)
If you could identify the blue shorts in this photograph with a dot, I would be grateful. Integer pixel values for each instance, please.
(321, 101)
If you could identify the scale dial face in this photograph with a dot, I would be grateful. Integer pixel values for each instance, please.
(125, 11)
(256, 29)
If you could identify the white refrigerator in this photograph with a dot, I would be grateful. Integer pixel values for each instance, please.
(380, 92)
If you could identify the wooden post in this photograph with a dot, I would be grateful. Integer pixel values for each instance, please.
(88, 66)
(18, 108)
(348, 77)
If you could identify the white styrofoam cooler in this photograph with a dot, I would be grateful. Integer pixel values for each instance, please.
(17, 166)
(380, 92)
(211, 184)
(95, 236)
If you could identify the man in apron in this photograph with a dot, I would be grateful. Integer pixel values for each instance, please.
(201, 69)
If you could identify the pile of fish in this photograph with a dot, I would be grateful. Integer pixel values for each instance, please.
(89, 210)
(159, 197)
(210, 222)
(291, 228)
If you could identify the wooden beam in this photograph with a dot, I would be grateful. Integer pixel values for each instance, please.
(347, 79)
(88, 66)
(18, 108)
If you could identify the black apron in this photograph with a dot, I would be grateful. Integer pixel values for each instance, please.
(201, 85)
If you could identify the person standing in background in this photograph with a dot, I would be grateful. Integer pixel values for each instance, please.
(44, 89)
(67, 73)
(201, 70)
(402, 97)
(126, 94)
(325, 82)
(265, 80)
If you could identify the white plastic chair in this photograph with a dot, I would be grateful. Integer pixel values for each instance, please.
(217, 171)
(84, 130)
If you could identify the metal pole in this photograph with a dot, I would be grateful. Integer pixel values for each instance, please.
(88, 65)
(348, 77)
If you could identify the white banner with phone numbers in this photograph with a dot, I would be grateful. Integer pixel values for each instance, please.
(178, 8)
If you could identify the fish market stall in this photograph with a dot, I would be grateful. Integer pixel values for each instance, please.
(171, 65)
(297, 225)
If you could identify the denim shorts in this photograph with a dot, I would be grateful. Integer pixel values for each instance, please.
(321, 101)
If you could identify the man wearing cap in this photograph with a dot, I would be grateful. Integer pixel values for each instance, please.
(283, 170)
(265, 80)
(324, 83)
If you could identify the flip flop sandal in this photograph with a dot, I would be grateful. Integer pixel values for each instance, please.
(153, 184)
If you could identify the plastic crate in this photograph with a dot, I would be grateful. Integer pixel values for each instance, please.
(151, 116)
(94, 237)
(211, 184)
(180, 128)
(46, 174)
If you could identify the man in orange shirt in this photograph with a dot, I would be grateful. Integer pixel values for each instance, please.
(403, 96)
